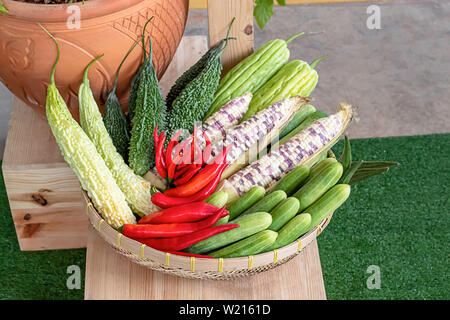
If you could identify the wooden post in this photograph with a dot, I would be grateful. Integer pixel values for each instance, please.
(220, 14)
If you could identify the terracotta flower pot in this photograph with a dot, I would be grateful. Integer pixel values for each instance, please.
(106, 26)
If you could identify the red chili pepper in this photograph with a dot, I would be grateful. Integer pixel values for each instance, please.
(155, 135)
(207, 150)
(181, 170)
(182, 242)
(188, 175)
(180, 151)
(163, 201)
(208, 174)
(159, 163)
(194, 142)
(163, 153)
(140, 231)
(184, 213)
(198, 159)
(169, 161)
(187, 254)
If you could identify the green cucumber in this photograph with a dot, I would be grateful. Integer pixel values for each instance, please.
(292, 181)
(248, 246)
(284, 212)
(328, 203)
(323, 155)
(319, 166)
(246, 201)
(268, 203)
(317, 186)
(248, 225)
(292, 230)
(219, 199)
(223, 220)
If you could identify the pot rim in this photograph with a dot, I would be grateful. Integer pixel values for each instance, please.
(36, 12)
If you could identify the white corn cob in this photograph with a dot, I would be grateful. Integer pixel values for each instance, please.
(257, 132)
(300, 149)
(135, 188)
(226, 117)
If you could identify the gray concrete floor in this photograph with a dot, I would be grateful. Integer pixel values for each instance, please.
(398, 76)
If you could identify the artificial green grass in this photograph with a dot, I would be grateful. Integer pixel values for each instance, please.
(398, 221)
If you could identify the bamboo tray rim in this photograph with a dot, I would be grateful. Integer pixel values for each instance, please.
(196, 267)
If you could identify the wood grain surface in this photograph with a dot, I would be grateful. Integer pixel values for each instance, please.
(220, 14)
(112, 276)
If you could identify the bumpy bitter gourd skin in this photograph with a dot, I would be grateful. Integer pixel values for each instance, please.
(150, 111)
(194, 100)
(191, 74)
(294, 78)
(135, 188)
(115, 119)
(134, 88)
(117, 125)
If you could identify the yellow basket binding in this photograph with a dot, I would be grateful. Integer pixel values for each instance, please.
(167, 259)
(192, 263)
(89, 204)
(119, 235)
(299, 248)
(100, 224)
(250, 262)
(275, 256)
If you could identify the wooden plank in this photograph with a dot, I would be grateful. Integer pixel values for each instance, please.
(30, 140)
(220, 14)
(111, 276)
(43, 193)
(203, 4)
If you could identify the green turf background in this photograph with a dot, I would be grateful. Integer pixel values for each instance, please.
(398, 221)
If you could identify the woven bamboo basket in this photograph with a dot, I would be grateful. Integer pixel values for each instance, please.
(199, 268)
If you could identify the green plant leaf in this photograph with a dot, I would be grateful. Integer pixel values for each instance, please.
(348, 174)
(378, 164)
(281, 2)
(362, 175)
(2, 8)
(346, 156)
(263, 11)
